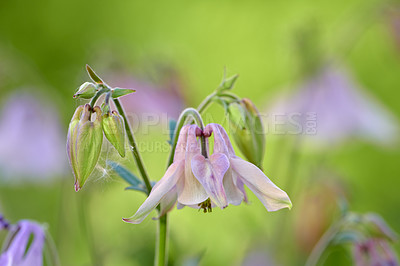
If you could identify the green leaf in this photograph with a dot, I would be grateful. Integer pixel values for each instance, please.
(140, 187)
(93, 75)
(119, 92)
(125, 174)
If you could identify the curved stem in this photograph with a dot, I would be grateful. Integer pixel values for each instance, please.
(188, 112)
(135, 152)
(206, 102)
(323, 244)
(97, 96)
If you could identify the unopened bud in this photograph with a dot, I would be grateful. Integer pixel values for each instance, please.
(86, 91)
(247, 130)
(113, 127)
(84, 143)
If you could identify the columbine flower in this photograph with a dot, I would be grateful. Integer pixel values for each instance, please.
(20, 252)
(180, 184)
(241, 172)
(332, 109)
(198, 181)
(29, 128)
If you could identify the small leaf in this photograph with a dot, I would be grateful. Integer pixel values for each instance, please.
(227, 83)
(140, 187)
(93, 75)
(125, 174)
(172, 127)
(118, 92)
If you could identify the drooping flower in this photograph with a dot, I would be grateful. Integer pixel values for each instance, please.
(28, 127)
(241, 172)
(20, 252)
(199, 181)
(330, 108)
(179, 184)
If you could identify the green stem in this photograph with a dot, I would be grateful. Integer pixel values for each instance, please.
(323, 244)
(206, 102)
(161, 258)
(135, 152)
(188, 112)
(97, 96)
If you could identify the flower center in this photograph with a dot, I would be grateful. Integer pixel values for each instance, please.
(205, 205)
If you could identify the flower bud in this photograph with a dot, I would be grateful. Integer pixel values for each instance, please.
(84, 143)
(247, 129)
(86, 91)
(113, 127)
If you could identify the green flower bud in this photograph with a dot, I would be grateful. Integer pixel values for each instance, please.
(247, 130)
(84, 143)
(114, 129)
(86, 91)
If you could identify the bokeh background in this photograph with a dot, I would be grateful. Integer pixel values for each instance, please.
(174, 54)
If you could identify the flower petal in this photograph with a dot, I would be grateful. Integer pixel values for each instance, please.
(267, 192)
(181, 144)
(222, 144)
(210, 173)
(168, 202)
(164, 186)
(233, 193)
(190, 191)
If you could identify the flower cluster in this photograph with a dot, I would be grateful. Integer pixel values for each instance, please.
(197, 180)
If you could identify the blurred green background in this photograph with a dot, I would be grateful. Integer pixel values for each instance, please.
(44, 46)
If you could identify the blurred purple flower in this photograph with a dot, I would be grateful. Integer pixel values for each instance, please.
(20, 252)
(338, 109)
(31, 140)
(376, 252)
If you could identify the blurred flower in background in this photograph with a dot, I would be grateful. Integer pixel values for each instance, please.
(31, 140)
(317, 209)
(157, 98)
(341, 110)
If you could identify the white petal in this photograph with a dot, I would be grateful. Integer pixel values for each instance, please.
(168, 202)
(233, 193)
(210, 173)
(164, 186)
(181, 144)
(190, 191)
(267, 192)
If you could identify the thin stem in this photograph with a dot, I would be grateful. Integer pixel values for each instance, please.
(97, 96)
(161, 258)
(323, 244)
(188, 112)
(206, 102)
(135, 152)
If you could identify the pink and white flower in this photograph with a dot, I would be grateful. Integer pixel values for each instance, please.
(199, 181)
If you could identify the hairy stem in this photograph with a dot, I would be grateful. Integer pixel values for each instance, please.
(135, 152)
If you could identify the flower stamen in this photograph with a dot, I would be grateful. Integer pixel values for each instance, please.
(205, 205)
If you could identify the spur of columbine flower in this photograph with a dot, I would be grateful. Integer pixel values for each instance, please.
(197, 181)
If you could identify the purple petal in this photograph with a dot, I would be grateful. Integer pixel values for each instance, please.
(210, 173)
(222, 144)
